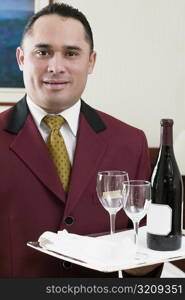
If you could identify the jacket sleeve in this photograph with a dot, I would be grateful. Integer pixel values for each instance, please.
(144, 166)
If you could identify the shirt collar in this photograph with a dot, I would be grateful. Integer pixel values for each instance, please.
(71, 115)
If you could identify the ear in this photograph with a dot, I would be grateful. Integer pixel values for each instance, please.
(20, 57)
(92, 60)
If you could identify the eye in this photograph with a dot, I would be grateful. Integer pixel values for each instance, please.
(42, 53)
(71, 53)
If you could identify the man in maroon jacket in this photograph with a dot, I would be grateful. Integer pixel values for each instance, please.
(56, 55)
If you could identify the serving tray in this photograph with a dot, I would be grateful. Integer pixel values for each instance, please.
(125, 261)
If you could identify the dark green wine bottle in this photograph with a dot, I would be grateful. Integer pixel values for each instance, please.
(164, 219)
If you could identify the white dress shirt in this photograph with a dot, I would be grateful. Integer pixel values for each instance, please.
(68, 130)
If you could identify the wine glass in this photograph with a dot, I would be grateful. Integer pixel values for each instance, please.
(110, 189)
(136, 203)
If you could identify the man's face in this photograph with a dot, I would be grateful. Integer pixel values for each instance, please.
(55, 60)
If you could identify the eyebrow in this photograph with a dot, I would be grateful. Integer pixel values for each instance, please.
(47, 46)
(73, 48)
(42, 46)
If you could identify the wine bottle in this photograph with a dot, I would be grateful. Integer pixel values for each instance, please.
(164, 218)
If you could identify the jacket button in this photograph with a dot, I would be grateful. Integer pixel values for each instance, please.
(67, 265)
(69, 220)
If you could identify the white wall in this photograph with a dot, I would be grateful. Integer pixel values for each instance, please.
(140, 71)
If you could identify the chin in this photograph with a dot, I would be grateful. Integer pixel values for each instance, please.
(55, 107)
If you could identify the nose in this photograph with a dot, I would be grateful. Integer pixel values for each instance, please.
(56, 64)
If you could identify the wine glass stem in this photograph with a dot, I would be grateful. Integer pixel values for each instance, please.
(112, 223)
(136, 227)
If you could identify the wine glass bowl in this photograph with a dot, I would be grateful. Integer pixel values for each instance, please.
(110, 187)
(136, 204)
(112, 200)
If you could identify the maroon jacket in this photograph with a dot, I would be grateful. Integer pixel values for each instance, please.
(32, 199)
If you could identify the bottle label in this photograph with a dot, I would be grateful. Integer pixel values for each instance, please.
(159, 219)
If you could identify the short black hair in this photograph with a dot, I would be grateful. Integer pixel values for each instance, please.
(63, 10)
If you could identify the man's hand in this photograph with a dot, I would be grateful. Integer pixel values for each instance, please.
(142, 271)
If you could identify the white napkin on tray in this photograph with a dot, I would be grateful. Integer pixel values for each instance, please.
(88, 249)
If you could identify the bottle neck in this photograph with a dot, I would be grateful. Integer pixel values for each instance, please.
(167, 136)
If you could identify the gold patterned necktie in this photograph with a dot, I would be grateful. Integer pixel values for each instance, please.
(57, 148)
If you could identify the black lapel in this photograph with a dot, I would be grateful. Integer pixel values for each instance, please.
(92, 117)
(17, 116)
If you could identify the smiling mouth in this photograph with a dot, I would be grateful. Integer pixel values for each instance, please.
(56, 84)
